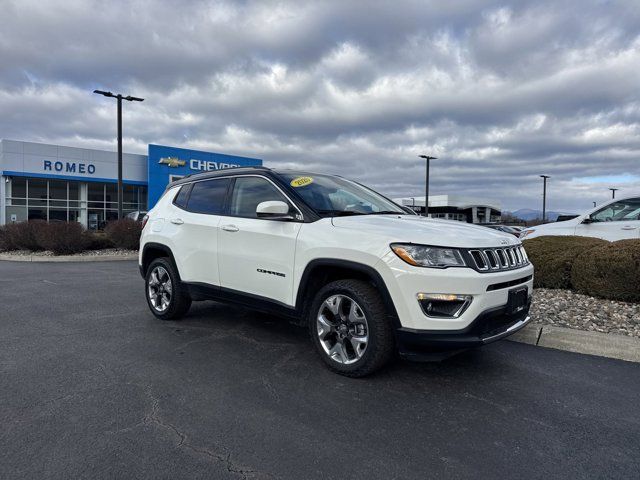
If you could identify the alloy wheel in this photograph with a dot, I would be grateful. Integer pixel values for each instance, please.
(159, 289)
(342, 329)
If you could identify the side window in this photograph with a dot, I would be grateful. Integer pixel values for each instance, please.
(208, 196)
(181, 198)
(248, 192)
(623, 210)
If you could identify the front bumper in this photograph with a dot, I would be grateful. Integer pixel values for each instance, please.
(489, 291)
(491, 325)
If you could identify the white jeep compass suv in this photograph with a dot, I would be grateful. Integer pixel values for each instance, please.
(368, 279)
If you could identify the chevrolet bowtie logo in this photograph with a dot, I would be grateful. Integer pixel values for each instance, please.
(172, 161)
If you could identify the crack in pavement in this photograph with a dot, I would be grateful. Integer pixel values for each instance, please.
(153, 418)
(223, 456)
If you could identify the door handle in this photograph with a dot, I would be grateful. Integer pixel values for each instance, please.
(230, 228)
(628, 227)
(177, 221)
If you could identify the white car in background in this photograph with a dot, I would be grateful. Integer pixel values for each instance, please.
(617, 220)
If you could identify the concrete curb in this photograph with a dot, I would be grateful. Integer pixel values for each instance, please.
(579, 341)
(67, 258)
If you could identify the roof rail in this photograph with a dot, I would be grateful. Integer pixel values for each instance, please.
(214, 172)
(250, 167)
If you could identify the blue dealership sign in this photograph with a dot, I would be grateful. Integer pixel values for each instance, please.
(167, 164)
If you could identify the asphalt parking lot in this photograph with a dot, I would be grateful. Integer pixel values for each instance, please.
(93, 386)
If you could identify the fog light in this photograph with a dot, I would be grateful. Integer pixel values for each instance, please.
(443, 305)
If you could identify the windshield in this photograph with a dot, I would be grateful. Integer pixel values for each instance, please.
(623, 210)
(334, 196)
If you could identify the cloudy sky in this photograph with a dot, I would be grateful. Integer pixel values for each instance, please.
(499, 91)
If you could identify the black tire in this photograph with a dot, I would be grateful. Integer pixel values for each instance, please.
(380, 347)
(179, 302)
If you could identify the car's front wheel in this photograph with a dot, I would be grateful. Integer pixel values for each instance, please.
(167, 297)
(350, 329)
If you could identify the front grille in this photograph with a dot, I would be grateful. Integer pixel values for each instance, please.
(497, 259)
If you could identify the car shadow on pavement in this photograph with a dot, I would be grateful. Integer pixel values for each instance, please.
(255, 328)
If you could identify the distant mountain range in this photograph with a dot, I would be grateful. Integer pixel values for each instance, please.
(530, 214)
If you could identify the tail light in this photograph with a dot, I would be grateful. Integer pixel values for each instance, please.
(145, 219)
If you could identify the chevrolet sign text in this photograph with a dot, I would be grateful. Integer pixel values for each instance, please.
(207, 165)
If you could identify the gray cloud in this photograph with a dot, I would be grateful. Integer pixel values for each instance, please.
(501, 92)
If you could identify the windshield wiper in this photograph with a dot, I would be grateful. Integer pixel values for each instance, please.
(386, 212)
(339, 213)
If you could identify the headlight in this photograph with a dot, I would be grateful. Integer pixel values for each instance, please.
(422, 256)
(524, 233)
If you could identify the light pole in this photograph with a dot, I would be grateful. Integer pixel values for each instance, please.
(544, 197)
(594, 204)
(426, 190)
(128, 98)
(613, 192)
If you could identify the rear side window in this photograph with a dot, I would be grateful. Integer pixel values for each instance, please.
(182, 196)
(208, 196)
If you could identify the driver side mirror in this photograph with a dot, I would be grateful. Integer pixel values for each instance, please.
(587, 220)
(274, 210)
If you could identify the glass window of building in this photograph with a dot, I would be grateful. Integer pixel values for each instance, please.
(19, 189)
(91, 203)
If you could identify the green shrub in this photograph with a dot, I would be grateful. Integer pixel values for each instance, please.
(62, 238)
(22, 235)
(553, 258)
(124, 233)
(98, 241)
(610, 271)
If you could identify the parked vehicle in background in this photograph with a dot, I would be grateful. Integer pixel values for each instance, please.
(365, 277)
(407, 209)
(505, 229)
(618, 219)
(137, 216)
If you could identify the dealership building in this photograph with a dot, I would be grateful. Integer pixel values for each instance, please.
(54, 182)
(456, 207)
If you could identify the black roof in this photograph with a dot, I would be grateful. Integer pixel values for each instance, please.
(217, 173)
(236, 171)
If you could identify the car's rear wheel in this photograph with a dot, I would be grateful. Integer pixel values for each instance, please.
(167, 297)
(348, 326)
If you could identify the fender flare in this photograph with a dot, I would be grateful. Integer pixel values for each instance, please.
(155, 246)
(361, 268)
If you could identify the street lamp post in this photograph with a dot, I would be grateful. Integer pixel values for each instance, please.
(119, 98)
(544, 197)
(426, 190)
(613, 192)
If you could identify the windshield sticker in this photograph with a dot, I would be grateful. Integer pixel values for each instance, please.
(301, 182)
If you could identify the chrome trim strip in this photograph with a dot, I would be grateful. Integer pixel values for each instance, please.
(518, 255)
(479, 254)
(503, 257)
(239, 175)
(485, 259)
(495, 259)
(467, 301)
(512, 329)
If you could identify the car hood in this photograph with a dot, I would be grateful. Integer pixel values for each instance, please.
(427, 231)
